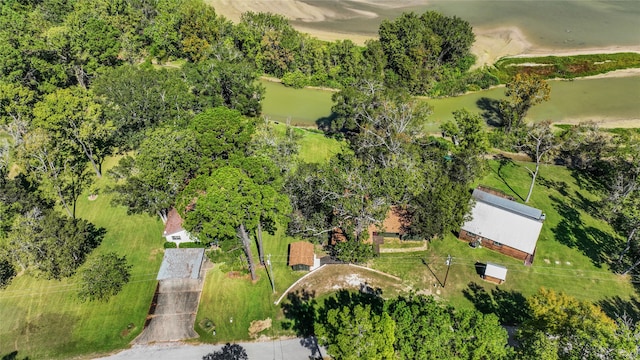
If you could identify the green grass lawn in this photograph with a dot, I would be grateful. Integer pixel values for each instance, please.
(316, 147)
(43, 319)
(226, 297)
(570, 255)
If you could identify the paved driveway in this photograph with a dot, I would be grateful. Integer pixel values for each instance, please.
(174, 312)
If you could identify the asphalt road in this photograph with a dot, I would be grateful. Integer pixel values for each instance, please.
(289, 349)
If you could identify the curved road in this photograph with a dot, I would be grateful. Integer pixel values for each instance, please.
(287, 349)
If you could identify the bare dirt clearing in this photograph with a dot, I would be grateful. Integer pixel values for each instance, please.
(334, 277)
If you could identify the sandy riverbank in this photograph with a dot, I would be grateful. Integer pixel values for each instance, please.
(491, 43)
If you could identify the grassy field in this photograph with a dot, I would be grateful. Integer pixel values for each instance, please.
(571, 251)
(43, 319)
(316, 147)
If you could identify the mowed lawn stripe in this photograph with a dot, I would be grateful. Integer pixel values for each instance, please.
(44, 318)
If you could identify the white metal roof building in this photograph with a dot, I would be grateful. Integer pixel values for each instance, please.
(505, 222)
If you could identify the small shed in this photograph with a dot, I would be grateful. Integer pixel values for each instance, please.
(495, 273)
(301, 256)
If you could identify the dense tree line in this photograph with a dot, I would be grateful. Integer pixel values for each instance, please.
(551, 325)
(49, 44)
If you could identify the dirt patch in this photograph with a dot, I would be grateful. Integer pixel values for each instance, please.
(331, 278)
(259, 326)
(131, 327)
(154, 254)
(235, 275)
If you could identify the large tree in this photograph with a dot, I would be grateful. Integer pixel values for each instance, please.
(104, 276)
(426, 329)
(76, 123)
(151, 181)
(229, 82)
(229, 204)
(60, 171)
(51, 244)
(16, 109)
(417, 48)
(574, 329)
(341, 194)
(523, 92)
(357, 333)
(220, 133)
(537, 141)
(136, 99)
(449, 171)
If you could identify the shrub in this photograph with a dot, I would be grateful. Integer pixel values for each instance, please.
(170, 245)
(193, 245)
(295, 79)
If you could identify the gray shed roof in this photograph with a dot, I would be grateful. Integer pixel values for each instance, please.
(181, 264)
(507, 204)
(495, 271)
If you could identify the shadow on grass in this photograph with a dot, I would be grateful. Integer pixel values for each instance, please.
(50, 333)
(432, 272)
(300, 309)
(510, 306)
(560, 186)
(490, 111)
(505, 162)
(592, 182)
(351, 299)
(573, 232)
(13, 356)
(617, 307)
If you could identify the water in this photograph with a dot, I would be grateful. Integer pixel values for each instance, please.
(302, 107)
(607, 99)
(557, 24)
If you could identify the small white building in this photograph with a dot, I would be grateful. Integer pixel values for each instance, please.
(495, 273)
(173, 230)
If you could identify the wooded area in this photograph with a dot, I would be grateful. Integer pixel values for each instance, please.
(170, 89)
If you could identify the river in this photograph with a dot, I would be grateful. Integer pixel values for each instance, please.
(554, 24)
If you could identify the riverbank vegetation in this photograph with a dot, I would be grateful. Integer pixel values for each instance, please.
(564, 67)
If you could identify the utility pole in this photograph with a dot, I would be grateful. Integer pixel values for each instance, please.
(448, 267)
(273, 284)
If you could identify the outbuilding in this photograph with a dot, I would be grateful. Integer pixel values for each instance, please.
(494, 273)
(503, 225)
(302, 256)
(173, 230)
